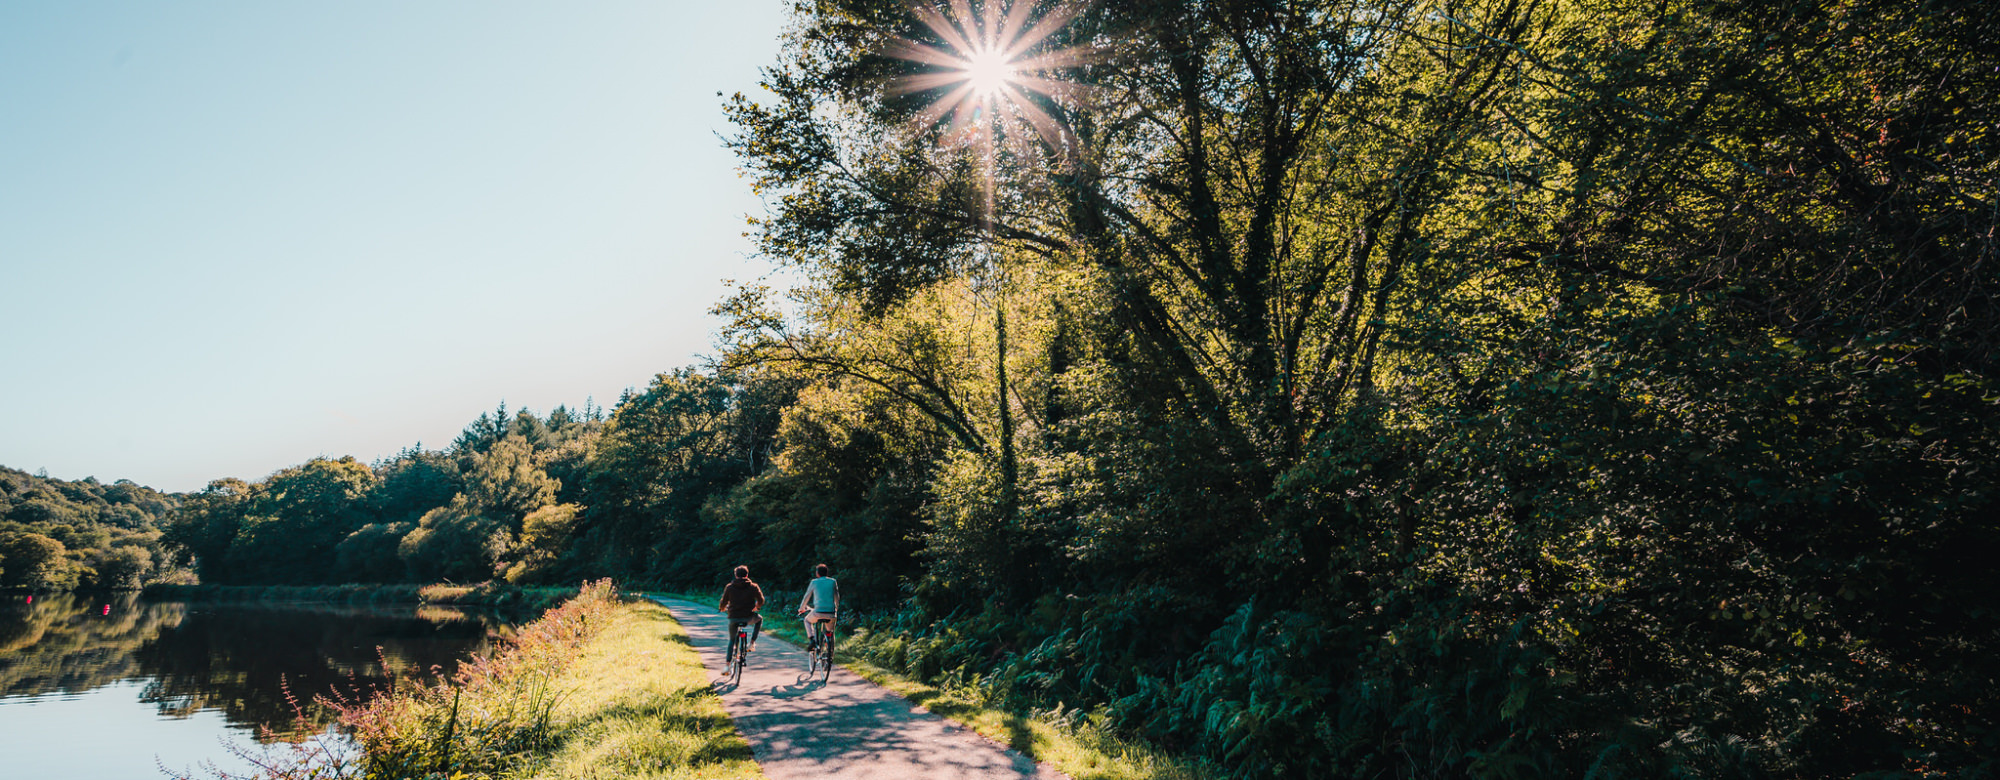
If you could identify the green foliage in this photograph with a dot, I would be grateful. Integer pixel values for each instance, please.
(122, 568)
(369, 554)
(412, 483)
(453, 542)
(1561, 388)
(506, 481)
(35, 562)
(206, 525)
(290, 524)
(545, 534)
(843, 488)
(664, 454)
(469, 538)
(420, 515)
(103, 536)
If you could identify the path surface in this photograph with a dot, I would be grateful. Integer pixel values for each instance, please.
(844, 728)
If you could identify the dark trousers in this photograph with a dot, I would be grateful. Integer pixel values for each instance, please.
(756, 623)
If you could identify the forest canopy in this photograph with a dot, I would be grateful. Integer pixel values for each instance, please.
(1418, 388)
(58, 535)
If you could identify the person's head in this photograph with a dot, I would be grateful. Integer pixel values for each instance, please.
(742, 572)
(820, 570)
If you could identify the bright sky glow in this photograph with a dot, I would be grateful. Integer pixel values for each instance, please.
(988, 72)
(991, 60)
(235, 235)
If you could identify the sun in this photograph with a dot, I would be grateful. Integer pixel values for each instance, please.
(988, 72)
(988, 66)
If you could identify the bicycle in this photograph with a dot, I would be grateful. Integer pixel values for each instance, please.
(738, 655)
(819, 651)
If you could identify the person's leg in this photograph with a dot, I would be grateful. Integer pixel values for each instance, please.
(730, 655)
(756, 630)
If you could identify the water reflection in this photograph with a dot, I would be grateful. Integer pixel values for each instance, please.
(72, 644)
(239, 659)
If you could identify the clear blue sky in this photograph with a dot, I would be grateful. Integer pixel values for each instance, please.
(238, 235)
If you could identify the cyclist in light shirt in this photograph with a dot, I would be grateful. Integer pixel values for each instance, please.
(820, 604)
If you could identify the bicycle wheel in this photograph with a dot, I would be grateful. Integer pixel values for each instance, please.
(826, 647)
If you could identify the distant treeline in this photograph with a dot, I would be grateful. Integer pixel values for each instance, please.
(531, 499)
(59, 535)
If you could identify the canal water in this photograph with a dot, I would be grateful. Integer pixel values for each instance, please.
(117, 687)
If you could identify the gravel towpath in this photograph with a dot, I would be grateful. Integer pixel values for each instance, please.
(844, 728)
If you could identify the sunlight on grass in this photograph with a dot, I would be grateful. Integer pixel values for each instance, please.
(1080, 751)
(597, 688)
(638, 705)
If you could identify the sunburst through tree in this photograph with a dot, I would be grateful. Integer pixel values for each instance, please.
(989, 71)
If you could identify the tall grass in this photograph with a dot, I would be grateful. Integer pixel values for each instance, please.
(496, 707)
(597, 688)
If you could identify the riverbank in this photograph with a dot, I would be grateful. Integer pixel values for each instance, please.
(486, 594)
(599, 687)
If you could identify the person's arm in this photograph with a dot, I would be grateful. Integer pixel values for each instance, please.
(805, 601)
(836, 597)
(760, 597)
(723, 605)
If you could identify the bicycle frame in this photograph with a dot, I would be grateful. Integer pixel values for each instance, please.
(820, 659)
(740, 650)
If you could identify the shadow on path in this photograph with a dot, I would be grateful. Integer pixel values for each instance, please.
(845, 727)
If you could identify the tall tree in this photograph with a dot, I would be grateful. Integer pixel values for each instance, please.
(295, 518)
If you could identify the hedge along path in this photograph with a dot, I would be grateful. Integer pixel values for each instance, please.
(846, 728)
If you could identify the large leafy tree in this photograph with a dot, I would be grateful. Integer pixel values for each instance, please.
(1241, 186)
(294, 519)
(663, 453)
(34, 562)
(1519, 336)
(469, 537)
(206, 525)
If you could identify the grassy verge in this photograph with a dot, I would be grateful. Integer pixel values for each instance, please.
(483, 594)
(640, 706)
(597, 688)
(1071, 742)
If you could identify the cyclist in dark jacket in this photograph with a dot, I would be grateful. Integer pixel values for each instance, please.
(741, 599)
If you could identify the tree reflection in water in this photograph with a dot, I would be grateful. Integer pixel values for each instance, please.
(237, 658)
